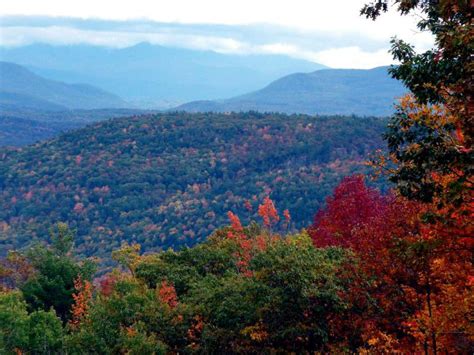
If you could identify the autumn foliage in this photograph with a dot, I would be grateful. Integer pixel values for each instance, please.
(371, 275)
(82, 298)
(247, 246)
(167, 294)
(376, 273)
(268, 212)
(411, 279)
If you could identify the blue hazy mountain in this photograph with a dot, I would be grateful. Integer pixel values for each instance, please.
(22, 89)
(330, 91)
(155, 73)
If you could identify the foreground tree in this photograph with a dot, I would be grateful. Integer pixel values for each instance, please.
(39, 332)
(408, 288)
(431, 160)
(245, 290)
(430, 137)
(52, 282)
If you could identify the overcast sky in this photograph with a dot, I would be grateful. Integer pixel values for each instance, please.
(328, 32)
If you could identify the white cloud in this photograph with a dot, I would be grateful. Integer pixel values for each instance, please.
(353, 57)
(305, 15)
(345, 57)
(60, 35)
(329, 32)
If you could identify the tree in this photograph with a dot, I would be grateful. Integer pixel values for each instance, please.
(369, 224)
(429, 141)
(431, 160)
(406, 277)
(55, 271)
(132, 319)
(45, 332)
(39, 332)
(82, 298)
(13, 317)
(353, 217)
(443, 74)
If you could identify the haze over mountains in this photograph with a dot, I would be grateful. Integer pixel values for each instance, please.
(331, 91)
(152, 76)
(33, 108)
(156, 76)
(18, 131)
(23, 126)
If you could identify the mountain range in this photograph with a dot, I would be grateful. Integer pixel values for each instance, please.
(156, 76)
(44, 107)
(326, 92)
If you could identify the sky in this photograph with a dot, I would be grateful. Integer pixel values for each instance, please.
(328, 32)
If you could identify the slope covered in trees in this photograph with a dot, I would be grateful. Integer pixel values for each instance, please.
(168, 180)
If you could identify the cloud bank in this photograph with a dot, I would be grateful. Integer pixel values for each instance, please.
(331, 34)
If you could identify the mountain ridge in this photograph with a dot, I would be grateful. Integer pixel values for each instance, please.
(365, 92)
(21, 88)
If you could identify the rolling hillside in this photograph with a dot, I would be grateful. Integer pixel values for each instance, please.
(329, 91)
(168, 180)
(21, 88)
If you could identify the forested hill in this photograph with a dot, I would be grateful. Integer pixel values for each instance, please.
(168, 180)
(325, 92)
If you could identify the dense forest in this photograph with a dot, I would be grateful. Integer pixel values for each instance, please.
(374, 273)
(369, 276)
(168, 180)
